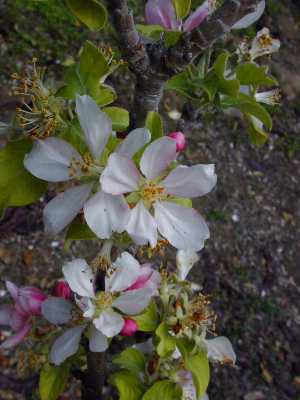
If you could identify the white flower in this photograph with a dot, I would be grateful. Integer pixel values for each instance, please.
(185, 261)
(270, 97)
(220, 350)
(55, 160)
(263, 44)
(104, 312)
(252, 17)
(152, 194)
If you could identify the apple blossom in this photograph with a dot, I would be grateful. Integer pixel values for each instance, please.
(185, 261)
(104, 313)
(154, 195)
(55, 160)
(28, 303)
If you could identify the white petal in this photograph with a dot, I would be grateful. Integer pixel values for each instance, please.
(50, 160)
(254, 16)
(61, 211)
(194, 181)
(142, 226)
(126, 273)
(6, 312)
(80, 277)
(120, 175)
(66, 345)
(109, 323)
(105, 214)
(134, 141)
(185, 261)
(57, 310)
(97, 341)
(134, 302)
(96, 125)
(157, 157)
(183, 227)
(86, 305)
(220, 349)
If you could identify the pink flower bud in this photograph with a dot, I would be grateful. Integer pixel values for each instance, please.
(129, 328)
(62, 289)
(180, 140)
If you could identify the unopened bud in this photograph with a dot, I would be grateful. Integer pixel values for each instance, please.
(180, 140)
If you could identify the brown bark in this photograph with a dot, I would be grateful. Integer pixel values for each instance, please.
(94, 379)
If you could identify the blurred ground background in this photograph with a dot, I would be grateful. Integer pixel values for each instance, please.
(251, 265)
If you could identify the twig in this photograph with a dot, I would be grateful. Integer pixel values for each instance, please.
(154, 64)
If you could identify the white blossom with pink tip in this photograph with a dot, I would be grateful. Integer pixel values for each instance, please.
(129, 288)
(154, 195)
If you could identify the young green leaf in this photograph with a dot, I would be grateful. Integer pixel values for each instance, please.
(17, 186)
(198, 365)
(90, 12)
(92, 66)
(129, 385)
(79, 230)
(53, 381)
(252, 74)
(165, 390)
(119, 116)
(182, 8)
(130, 359)
(154, 123)
(166, 343)
(149, 319)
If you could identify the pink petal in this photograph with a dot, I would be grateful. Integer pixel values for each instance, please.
(6, 312)
(161, 12)
(19, 337)
(12, 289)
(197, 17)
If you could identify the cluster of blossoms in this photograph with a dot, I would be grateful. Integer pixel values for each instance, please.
(115, 194)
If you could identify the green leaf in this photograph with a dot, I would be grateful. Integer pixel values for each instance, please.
(79, 230)
(53, 381)
(249, 106)
(181, 84)
(226, 86)
(73, 135)
(198, 365)
(150, 31)
(166, 342)
(165, 390)
(182, 8)
(155, 125)
(92, 66)
(257, 135)
(128, 385)
(17, 186)
(119, 117)
(252, 74)
(130, 359)
(90, 12)
(149, 319)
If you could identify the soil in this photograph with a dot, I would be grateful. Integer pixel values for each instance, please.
(251, 264)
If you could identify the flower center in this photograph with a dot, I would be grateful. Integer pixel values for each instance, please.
(151, 192)
(265, 41)
(84, 166)
(103, 301)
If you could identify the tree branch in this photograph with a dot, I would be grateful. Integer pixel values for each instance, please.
(93, 382)
(154, 64)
